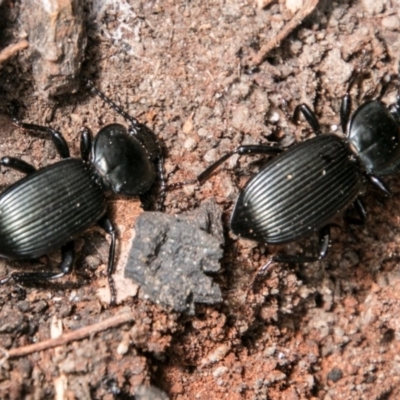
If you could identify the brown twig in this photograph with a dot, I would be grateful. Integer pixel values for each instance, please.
(264, 3)
(79, 334)
(287, 29)
(12, 49)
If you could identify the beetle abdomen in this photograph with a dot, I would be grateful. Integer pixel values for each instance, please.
(299, 191)
(48, 208)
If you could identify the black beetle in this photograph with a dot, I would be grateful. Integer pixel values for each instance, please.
(51, 206)
(305, 187)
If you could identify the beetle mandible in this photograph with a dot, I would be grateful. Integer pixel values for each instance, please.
(305, 187)
(50, 207)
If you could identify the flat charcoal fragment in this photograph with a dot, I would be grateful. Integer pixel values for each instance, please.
(171, 254)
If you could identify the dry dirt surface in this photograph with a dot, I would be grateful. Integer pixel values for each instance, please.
(206, 76)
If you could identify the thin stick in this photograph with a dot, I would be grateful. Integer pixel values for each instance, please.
(12, 49)
(287, 29)
(79, 334)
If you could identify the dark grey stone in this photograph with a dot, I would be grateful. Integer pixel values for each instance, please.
(335, 374)
(171, 255)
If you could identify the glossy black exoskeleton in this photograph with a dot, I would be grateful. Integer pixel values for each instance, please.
(304, 188)
(51, 206)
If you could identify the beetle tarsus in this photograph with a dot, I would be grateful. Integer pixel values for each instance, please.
(18, 165)
(309, 116)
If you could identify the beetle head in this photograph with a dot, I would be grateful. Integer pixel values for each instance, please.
(375, 135)
(122, 161)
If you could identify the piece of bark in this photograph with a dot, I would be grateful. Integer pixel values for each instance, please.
(57, 43)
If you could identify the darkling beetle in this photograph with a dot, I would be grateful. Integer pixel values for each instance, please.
(51, 206)
(305, 187)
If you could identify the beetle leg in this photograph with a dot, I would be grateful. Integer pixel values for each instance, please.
(345, 106)
(67, 259)
(241, 150)
(162, 183)
(360, 207)
(309, 115)
(67, 262)
(394, 109)
(56, 136)
(146, 201)
(147, 198)
(86, 143)
(106, 224)
(361, 211)
(18, 165)
(5, 279)
(324, 240)
(377, 182)
(345, 109)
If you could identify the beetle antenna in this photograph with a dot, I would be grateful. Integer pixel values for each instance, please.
(133, 121)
